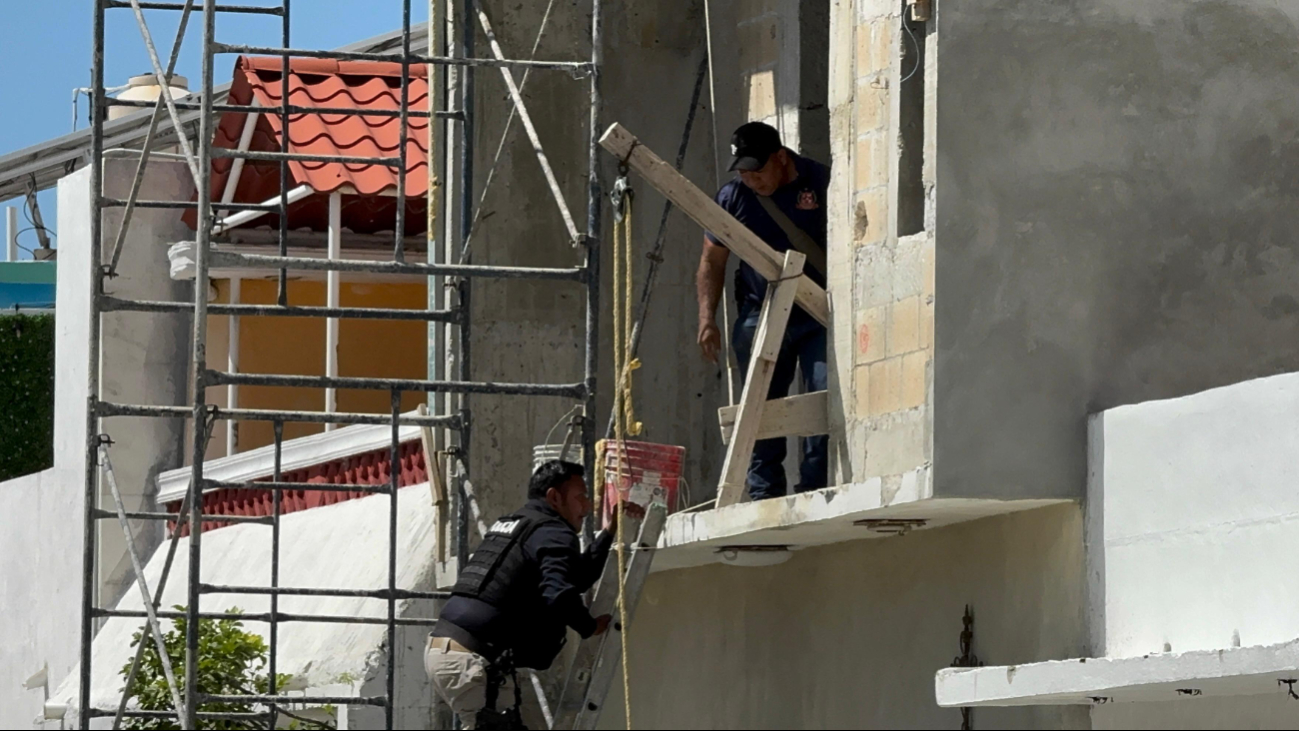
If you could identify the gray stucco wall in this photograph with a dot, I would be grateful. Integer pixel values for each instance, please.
(850, 635)
(527, 331)
(1116, 215)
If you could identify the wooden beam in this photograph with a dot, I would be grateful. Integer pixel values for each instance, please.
(762, 365)
(700, 206)
(804, 415)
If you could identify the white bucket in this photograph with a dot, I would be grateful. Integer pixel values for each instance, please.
(543, 453)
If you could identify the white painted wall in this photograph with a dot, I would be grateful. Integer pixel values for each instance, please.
(144, 361)
(40, 589)
(1193, 517)
(849, 636)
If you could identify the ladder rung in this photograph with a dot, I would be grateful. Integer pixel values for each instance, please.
(212, 715)
(174, 517)
(271, 485)
(246, 9)
(122, 202)
(232, 260)
(299, 157)
(109, 409)
(292, 109)
(301, 591)
(224, 378)
(289, 700)
(266, 617)
(577, 68)
(114, 304)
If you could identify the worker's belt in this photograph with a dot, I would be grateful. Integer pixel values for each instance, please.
(462, 641)
(450, 644)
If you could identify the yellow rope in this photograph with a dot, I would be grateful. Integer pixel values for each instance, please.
(624, 419)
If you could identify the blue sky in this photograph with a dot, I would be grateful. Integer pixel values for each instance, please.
(45, 49)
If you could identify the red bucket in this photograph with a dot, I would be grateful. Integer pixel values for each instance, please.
(652, 474)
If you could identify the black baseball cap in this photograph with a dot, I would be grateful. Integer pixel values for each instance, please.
(752, 144)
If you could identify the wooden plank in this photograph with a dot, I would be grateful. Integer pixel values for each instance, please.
(804, 415)
(700, 206)
(437, 485)
(766, 348)
(594, 666)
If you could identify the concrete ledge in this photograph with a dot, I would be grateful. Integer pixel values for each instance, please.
(832, 515)
(1162, 677)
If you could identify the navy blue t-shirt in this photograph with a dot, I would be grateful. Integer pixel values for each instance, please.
(803, 200)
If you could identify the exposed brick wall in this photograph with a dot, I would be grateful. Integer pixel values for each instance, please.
(883, 345)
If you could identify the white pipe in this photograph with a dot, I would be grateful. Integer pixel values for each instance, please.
(242, 217)
(331, 300)
(11, 236)
(237, 169)
(232, 365)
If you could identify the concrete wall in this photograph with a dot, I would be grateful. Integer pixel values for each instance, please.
(1251, 712)
(1190, 504)
(534, 331)
(40, 587)
(144, 358)
(849, 636)
(1116, 209)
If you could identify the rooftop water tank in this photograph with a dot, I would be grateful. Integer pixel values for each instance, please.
(145, 88)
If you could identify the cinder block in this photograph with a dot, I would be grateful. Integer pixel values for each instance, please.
(874, 277)
(871, 161)
(927, 251)
(927, 322)
(886, 386)
(904, 326)
(862, 50)
(872, 9)
(762, 95)
(908, 272)
(861, 391)
(915, 379)
(872, 334)
(870, 217)
(884, 40)
(895, 446)
(759, 43)
(871, 105)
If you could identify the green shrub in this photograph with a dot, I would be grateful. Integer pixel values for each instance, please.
(232, 661)
(26, 394)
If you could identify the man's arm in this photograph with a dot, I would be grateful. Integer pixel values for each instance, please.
(560, 557)
(710, 282)
(593, 560)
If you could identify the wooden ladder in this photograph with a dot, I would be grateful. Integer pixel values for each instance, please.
(754, 417)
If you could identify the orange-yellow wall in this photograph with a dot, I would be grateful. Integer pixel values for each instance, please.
(296, 346)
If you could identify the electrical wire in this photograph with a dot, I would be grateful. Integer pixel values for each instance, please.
(915, 43)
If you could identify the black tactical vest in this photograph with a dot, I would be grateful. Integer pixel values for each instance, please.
(499, 572)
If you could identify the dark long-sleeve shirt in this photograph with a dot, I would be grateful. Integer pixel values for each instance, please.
(564, 573)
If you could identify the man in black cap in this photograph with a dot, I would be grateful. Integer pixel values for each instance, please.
(515, 598)
(780, 196)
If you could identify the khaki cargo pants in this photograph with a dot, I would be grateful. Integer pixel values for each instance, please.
(459, 678)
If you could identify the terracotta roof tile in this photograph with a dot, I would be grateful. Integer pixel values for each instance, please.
(370, 468)
(369, 190)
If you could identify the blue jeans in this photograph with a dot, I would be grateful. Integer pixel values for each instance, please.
(804, 346)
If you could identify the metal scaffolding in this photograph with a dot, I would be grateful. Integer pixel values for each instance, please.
(451, 271)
